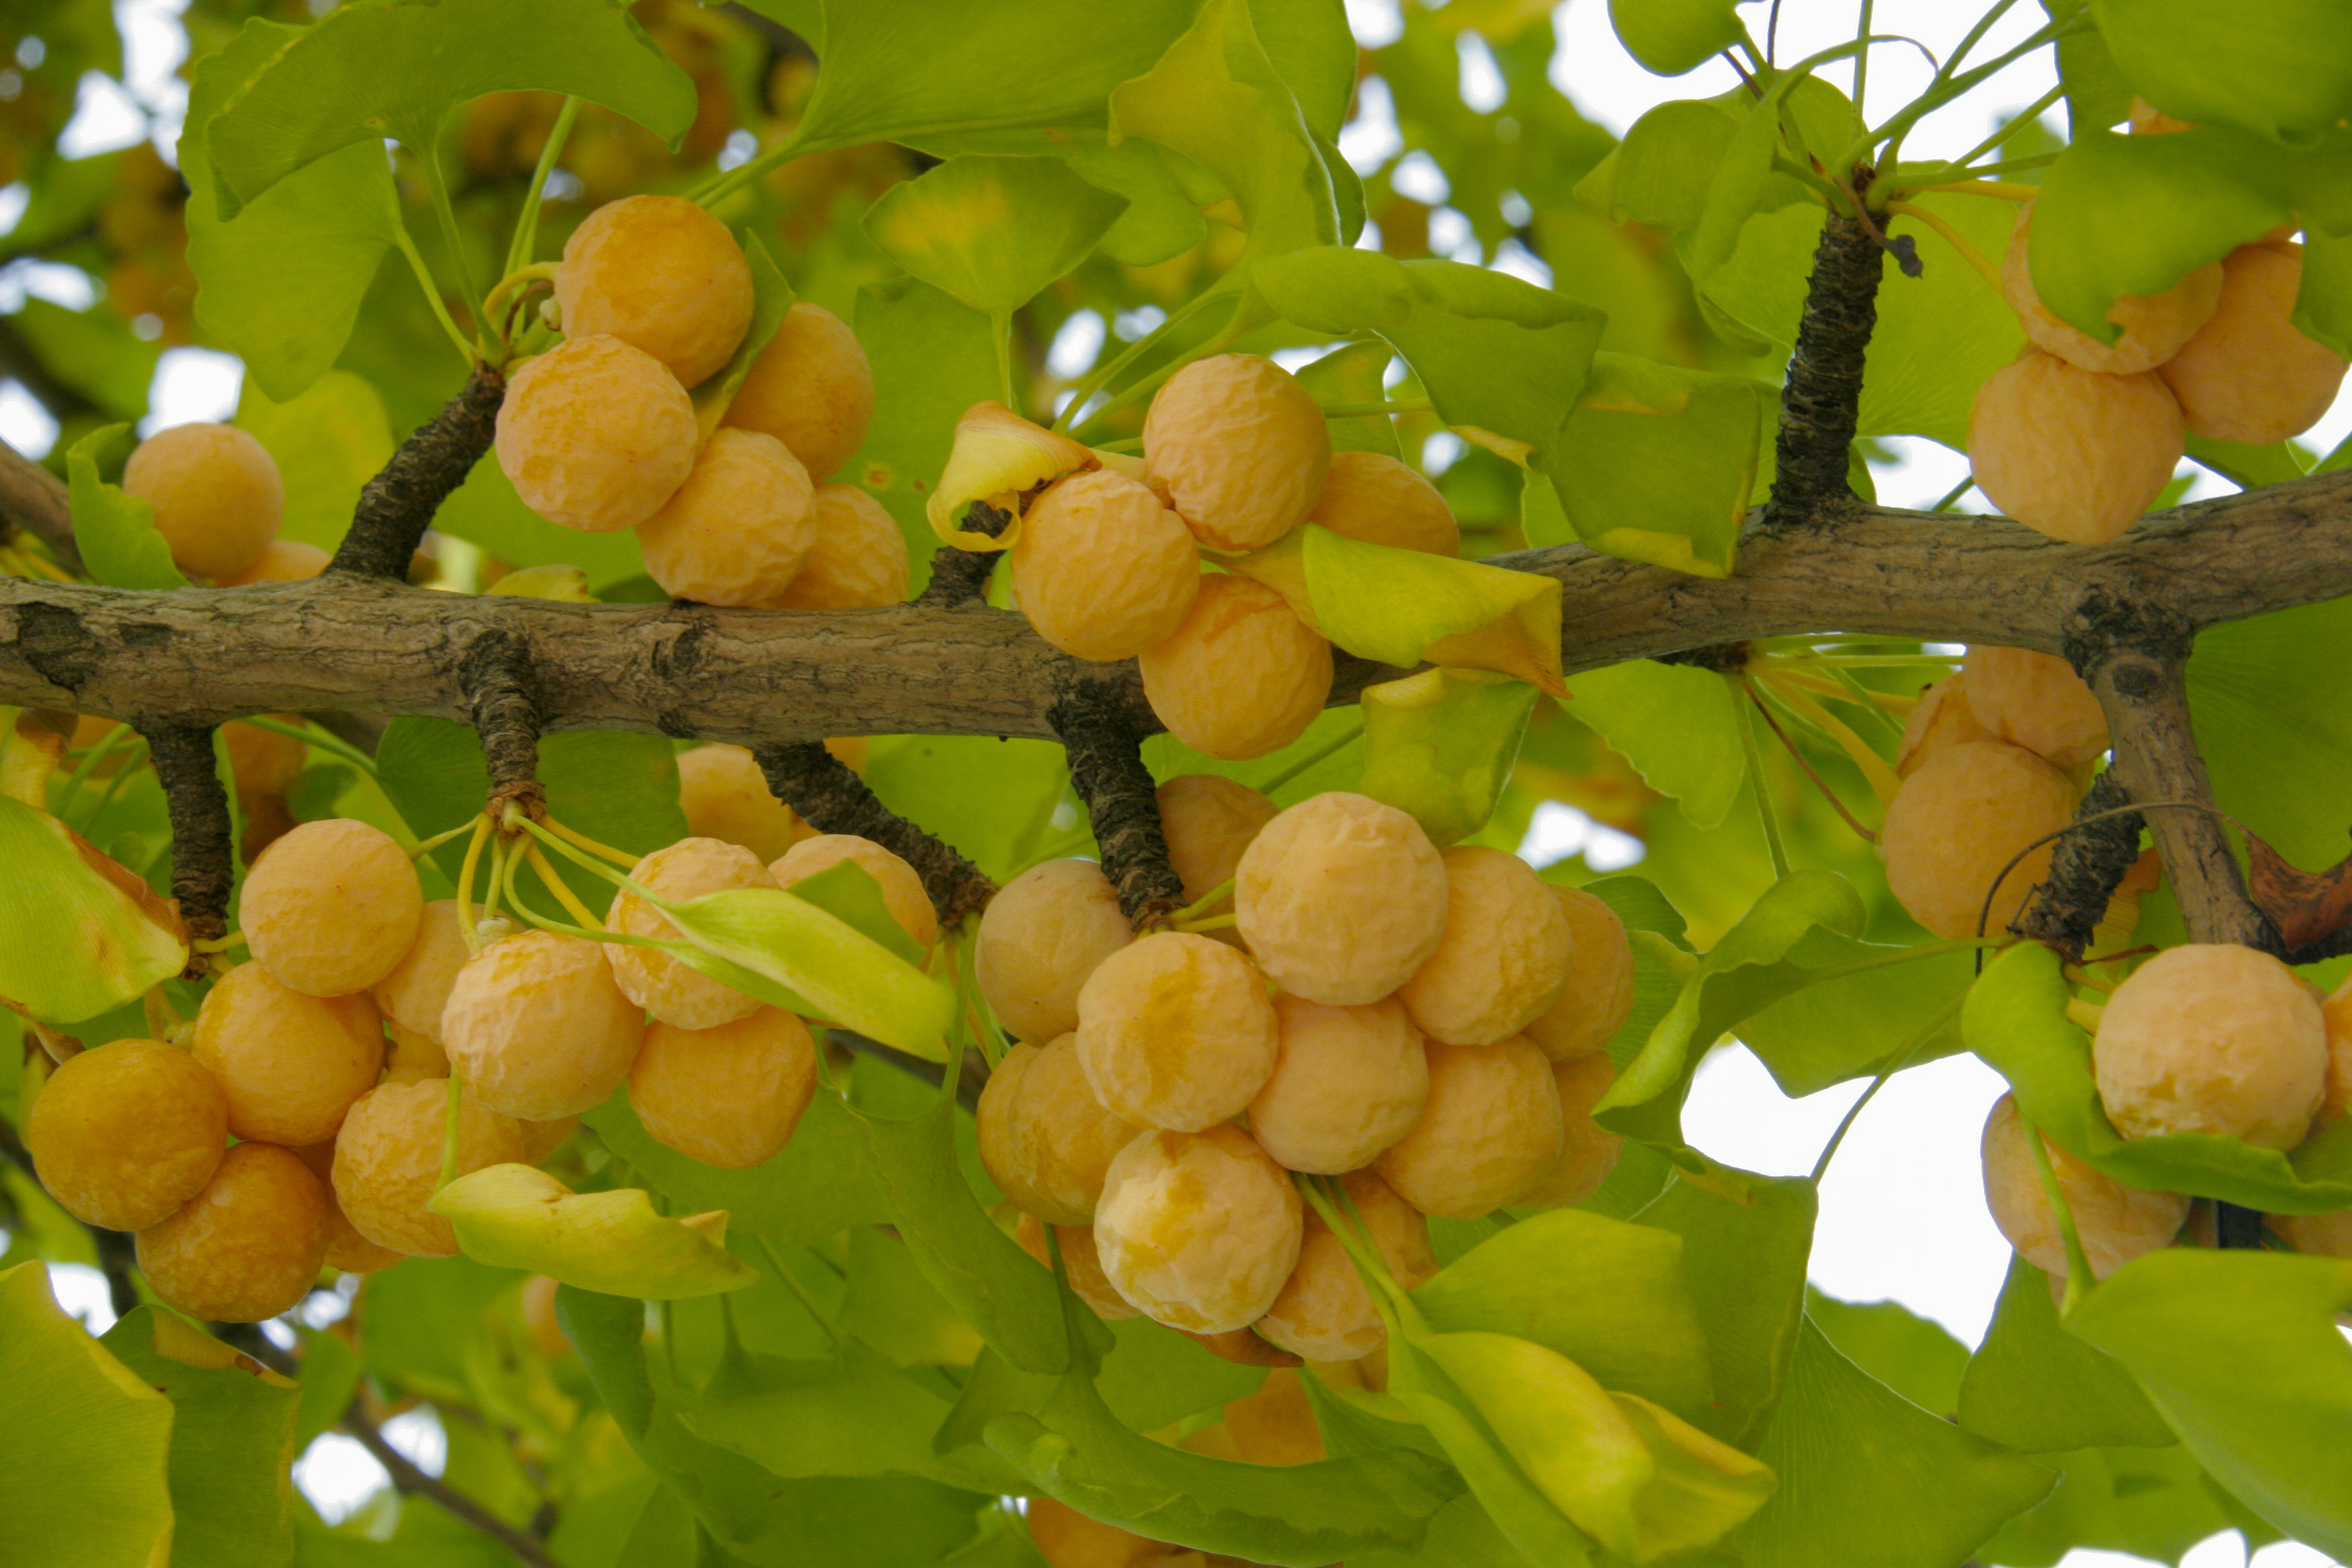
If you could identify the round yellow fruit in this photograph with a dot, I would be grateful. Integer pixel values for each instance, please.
(2069, 452)
(413, 994)
(811, 388)
(1491, 1131)
(1503, 959)
(1942, 718)
(1198, 1230)
(859, 560)
(1324, 1313)
(1068, 1539)
(1274, 1425)
(2337, 1012)
(347, 1252)
(661, 982)
(1599, 995)
(2114, 1222)
(1241, 675)
(1175, 1031)
(216, 495)
(2248, 375)
(726, 797)
(1040, 937)
(262, 762)
(728, 1096)
(595, 435)
(388, 1161)
(1588, 1152)
(248, 1246)
(2037, 702)
(1341, 899)
(1209, 820)
(1043, 1137)
(2322, 1235)
(740, 528)
(663, 276)
(1958, 820)
(413, 1055)
(289, 1064)
(1103, 571)
(332, 908)
(123, 1134)
(2155, 326)
(280, 561)
(1347, 1083)
(1375, 498)
(2213, 1037)
(902, 888)
(1081, 1262)
(538, 1028)
(1239, 449)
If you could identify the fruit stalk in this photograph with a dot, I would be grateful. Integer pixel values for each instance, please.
(1818, 404)
(202, 869)
(399, 503)
(831, 798)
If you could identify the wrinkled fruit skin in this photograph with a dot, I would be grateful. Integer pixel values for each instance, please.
(1043, 1137)
(1079, 1261)
(1102, 569)
(2155, 326)
(537, 1027)
(1040, 937)
(1341, 899)
(859, 559)
(413, 994)
(216, 493)
(1375, 498)
(2037, 702)
(1955, 823)
(1503, 959)
(388, 1162)
(1324, 1313)
(122, 1135)
(2248, 375)
(811, 388)
(664, 276)
(348, 1252)
(726, 797)
(1241, 675)
(332, 908)
(1942, 718)
(1599, 995)
(2213, 1037)
(902, 887)
(2116, 1223)
(291, 1065)
(740, 528)
(1239, 449)
(1175, 1031)
(1209, 821)
(246, 1247)
(594, 435)
(1198, 1230)
(412, 1055)
(1347, 1083)
(661, 982)
(2071, 453)
(1588, 1152)
(1491, 1131)
(728, 1096)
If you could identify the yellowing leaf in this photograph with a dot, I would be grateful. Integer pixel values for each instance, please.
(1407, 606)
(80, 935)
(990, 230)
(565, 584)
(512, 1216)
(1439, 746)
(997, 456)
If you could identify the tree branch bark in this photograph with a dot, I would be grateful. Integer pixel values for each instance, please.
(33, 499)
(773, 677)
(827, 795)
(1103, 734)
(1819, 402)
(202, 869)
(398, 504)
(2085, 869)
(413, 1482)
(504, 711)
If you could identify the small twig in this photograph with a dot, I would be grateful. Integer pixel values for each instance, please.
(831, 798)
(496, 673)
(202, 869)
(1819, 403)
(1104, 748)
(2085, 869)
(399, 503)
(34, 499)
(1818, 782)
(960, 576)
(413, 1482)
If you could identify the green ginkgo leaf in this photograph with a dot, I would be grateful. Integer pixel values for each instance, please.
(993, 231)
(80, 935)
(513, 1216)
(1439, 746)
(116, 532)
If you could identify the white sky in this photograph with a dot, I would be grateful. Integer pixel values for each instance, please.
(1903, 1213)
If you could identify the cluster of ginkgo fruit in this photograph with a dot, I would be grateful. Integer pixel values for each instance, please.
(599, 433)
(1108, 560)
(341, 1136)
(1424, 1029)
(2076, 438)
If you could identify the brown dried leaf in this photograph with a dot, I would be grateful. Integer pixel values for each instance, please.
(2305, 906)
